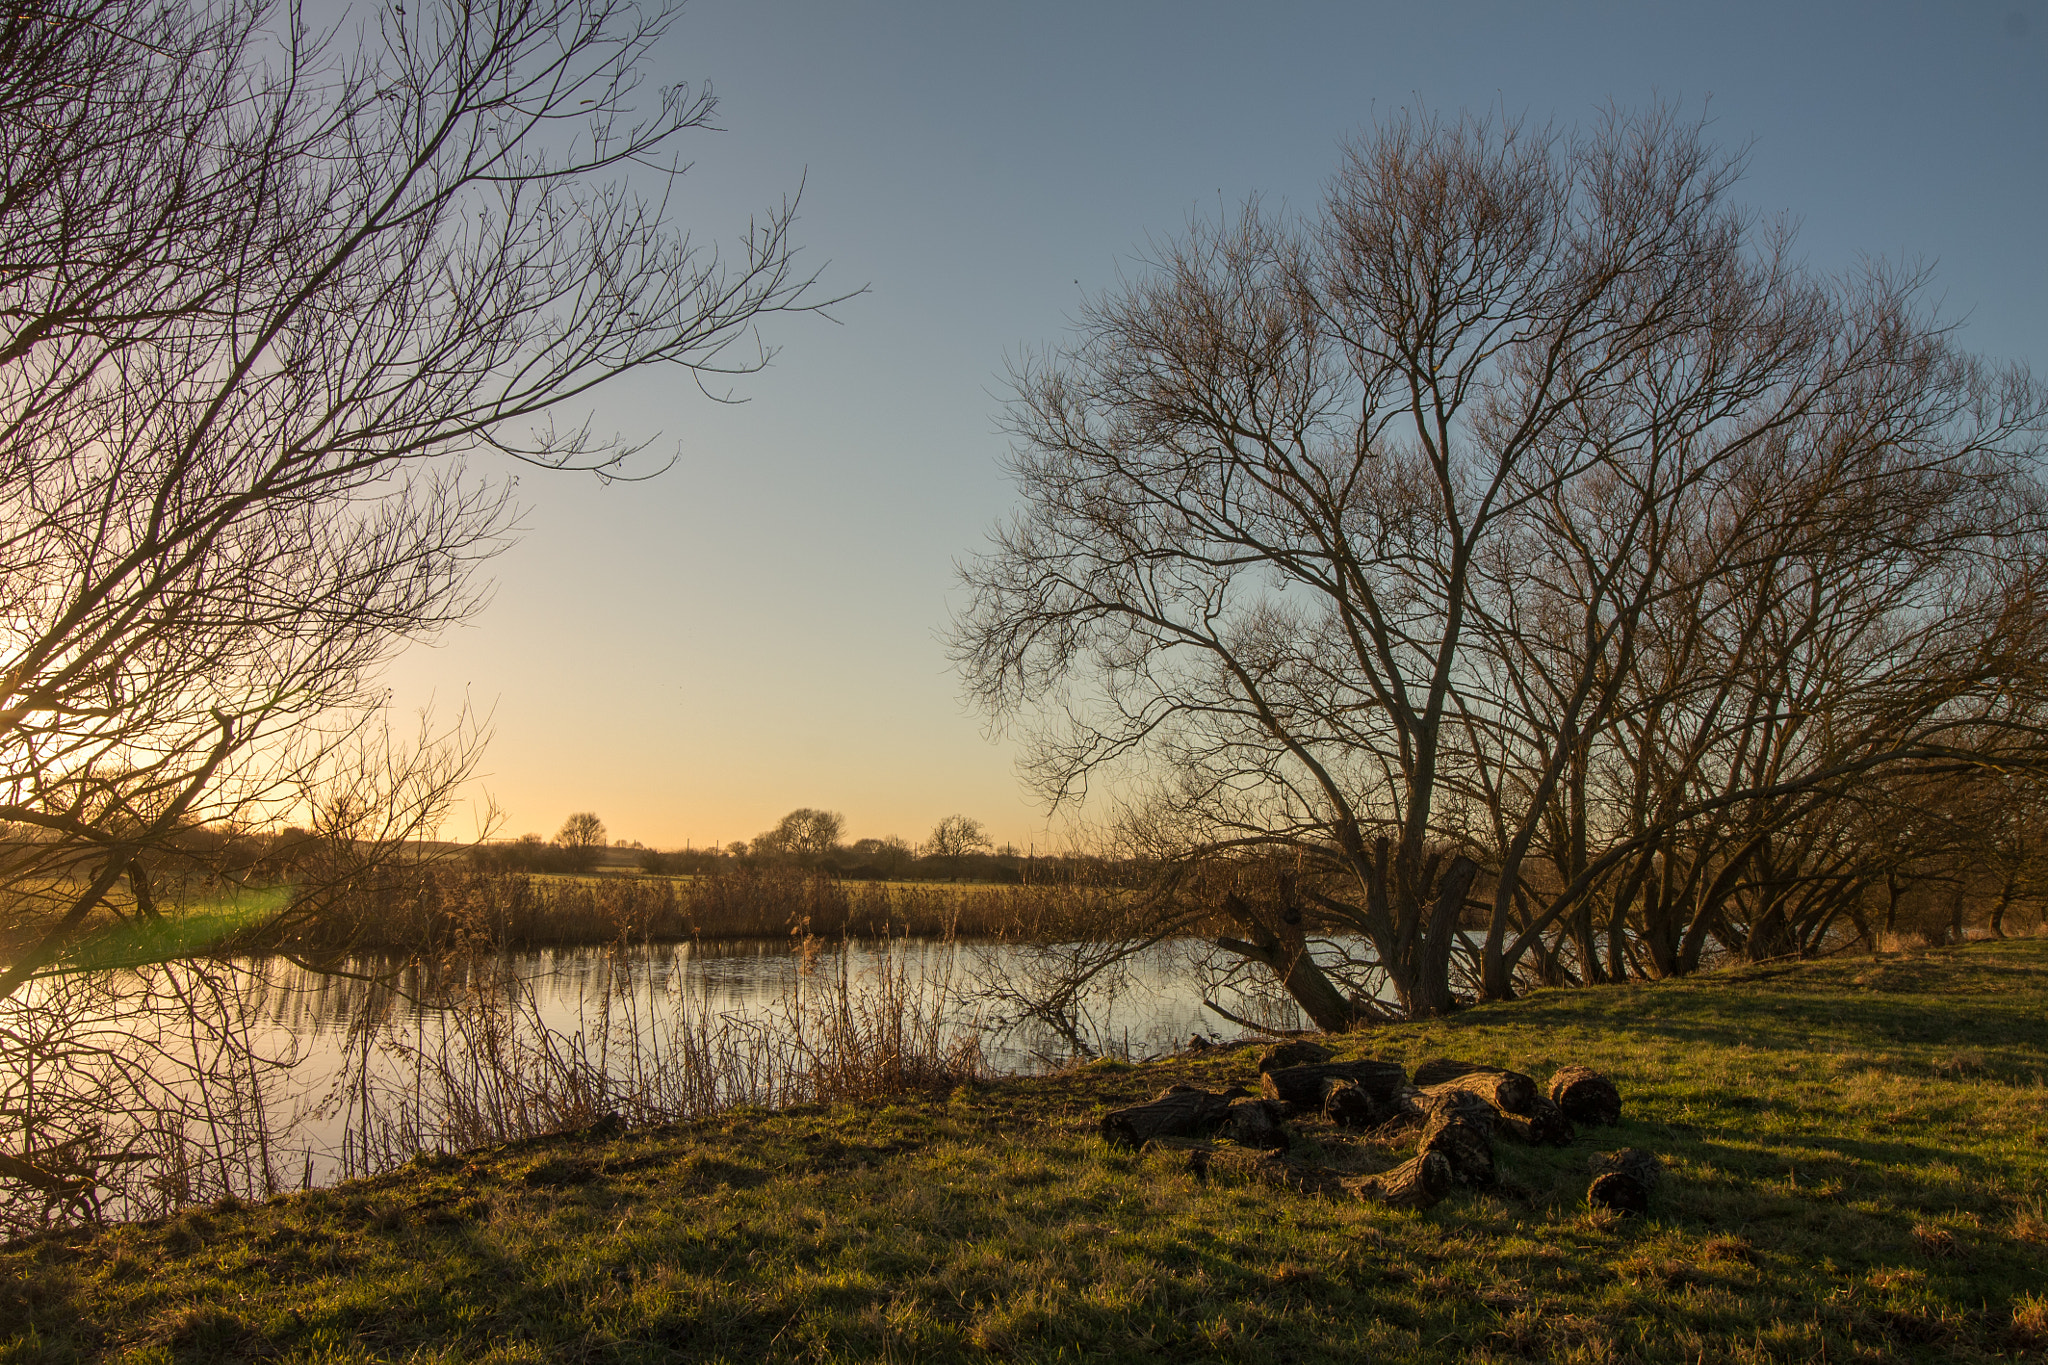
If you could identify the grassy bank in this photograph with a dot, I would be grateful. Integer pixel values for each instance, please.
(1856, 1158)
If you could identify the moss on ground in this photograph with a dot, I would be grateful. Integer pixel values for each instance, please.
(1857, 1170)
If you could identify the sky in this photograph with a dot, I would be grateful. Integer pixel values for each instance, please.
(761, 627)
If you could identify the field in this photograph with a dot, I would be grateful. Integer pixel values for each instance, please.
(1857, 1169)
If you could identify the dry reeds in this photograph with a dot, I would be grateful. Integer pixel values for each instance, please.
(452, 908)
(489, 1067)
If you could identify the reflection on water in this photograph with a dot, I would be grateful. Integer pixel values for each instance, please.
(257, 1074)
(1155, 1008)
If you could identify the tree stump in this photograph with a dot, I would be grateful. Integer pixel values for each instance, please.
(1460, 1126)
(1624, 1180)
(1585, 1095)
(1508, 1091)
(1297, 1052)
(1302, 1086)
(1544, 1125)
(1177, 1112)
(1255, 1123)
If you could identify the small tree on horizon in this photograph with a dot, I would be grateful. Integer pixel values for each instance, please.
(956, 836)
(582, 834)
(803, 833)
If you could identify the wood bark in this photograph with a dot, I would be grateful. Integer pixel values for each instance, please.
(1179, 1112)
(1302, 1086)
(1255, 1123)
(1509, 1091)
(1460, 1126)
(1585, 1096)
(1624, 1180)
(1415, 1184)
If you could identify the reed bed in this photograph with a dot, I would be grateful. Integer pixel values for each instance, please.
(450, 908)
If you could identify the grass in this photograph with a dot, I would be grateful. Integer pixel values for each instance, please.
(1856, 1171)
(182, 931)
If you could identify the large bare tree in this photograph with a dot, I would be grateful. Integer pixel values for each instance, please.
(263, 291)
(1353, 539)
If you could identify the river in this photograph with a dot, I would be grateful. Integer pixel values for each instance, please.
(250, 1075)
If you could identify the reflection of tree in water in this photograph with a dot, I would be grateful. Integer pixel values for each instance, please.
(133, 1093)
(155, 1088)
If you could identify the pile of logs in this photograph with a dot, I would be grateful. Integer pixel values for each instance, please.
(1456, 1108)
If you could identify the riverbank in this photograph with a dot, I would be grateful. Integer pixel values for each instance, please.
(1857, 1159)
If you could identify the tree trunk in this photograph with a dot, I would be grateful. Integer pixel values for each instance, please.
(1255, 1123)
(1348, 1105)
(1283, 950)
(2005, 890)
(139, 888)
(1295, 1052)
(1425, 984)
(1179, 1112)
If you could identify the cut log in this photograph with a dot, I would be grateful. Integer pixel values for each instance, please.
(1345, 1105)
(1462, 1102)
(1349, 1105)
(1508, 1091)
(1299, 1052)
(1413, 1184)
(1624, 1180)
(1177, 1112)
(1302, 1086)
(1461, 1127)
(1543, 1126)
(1585, 1095)
(1255, 1123)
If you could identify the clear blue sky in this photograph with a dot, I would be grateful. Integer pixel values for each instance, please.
(758, 629)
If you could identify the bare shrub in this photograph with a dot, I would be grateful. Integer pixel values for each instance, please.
(488, 1066)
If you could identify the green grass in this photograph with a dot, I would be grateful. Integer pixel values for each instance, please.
(183, 931)
(1856, 1171)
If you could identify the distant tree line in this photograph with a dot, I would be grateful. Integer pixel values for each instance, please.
(958, 849)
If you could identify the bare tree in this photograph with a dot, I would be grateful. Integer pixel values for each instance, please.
(954, 837)
(261, 296)
(582, 834)
(1350, 537)
(804, 833)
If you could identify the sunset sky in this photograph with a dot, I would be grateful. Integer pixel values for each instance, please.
(759, 628)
